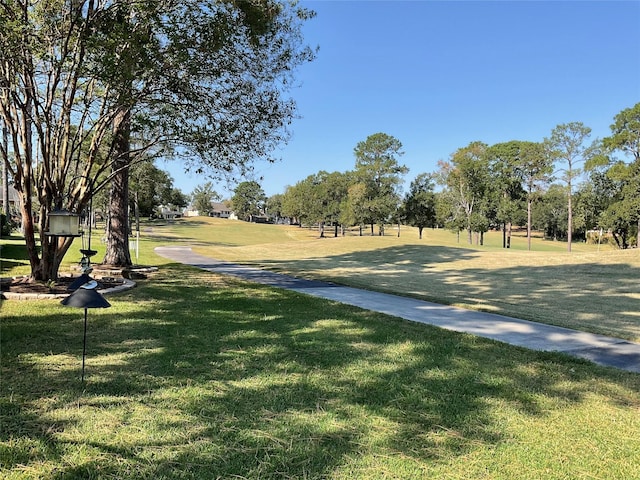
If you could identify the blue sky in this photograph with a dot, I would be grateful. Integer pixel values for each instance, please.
(439, 75)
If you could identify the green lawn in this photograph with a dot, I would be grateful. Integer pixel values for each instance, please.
(592, 288)
(194, 376)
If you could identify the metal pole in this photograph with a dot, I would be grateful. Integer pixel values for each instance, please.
(84, 343)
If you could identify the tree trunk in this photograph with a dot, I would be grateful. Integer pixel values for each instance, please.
(5, 173)
(569, 221)
(420, 233)
(117, 253)
(529, 224)
(509, 225)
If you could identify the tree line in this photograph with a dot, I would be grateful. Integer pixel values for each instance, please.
(565, 185)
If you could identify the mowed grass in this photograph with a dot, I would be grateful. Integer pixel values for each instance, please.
(593, 288)
(196, 376)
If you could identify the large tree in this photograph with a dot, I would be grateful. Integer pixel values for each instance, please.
(203, 197)
(248, 200)
(466, 176)
(332, 191)
(207, 80)
(419, 207)
(625, 137)
(520, 168)
(378, 169)
(507, 184)
(567, 146)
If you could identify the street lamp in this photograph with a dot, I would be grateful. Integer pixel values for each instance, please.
(86, 296)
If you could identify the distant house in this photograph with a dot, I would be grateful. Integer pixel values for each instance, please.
(14, 200)
(220, 210)
(169, 212)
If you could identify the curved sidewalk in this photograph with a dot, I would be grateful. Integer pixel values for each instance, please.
(612, 352)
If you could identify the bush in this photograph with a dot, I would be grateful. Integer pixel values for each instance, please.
(6, 225)
(5, 228)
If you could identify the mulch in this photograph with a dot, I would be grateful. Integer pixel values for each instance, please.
(25, 285)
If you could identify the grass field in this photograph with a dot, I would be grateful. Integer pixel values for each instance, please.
(592, 288)
(196, 376)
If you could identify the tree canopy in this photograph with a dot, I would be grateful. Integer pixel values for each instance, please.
(248, 200)
(377, 168)
(204, 81)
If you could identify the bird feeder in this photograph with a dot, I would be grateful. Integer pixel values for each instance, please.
(63, 223)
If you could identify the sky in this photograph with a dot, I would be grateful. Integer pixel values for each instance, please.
(439, 75)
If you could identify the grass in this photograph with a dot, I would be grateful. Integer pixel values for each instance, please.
(216, 378)
(592, 288)
(192, 375)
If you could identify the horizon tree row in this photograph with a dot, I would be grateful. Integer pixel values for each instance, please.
(562, 185)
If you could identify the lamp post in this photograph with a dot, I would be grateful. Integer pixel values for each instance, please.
(86, 296)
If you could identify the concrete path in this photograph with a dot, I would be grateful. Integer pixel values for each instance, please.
(602, 350)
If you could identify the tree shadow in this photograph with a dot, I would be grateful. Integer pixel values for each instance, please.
(572, 296)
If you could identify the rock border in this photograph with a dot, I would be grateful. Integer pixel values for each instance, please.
(126, 285)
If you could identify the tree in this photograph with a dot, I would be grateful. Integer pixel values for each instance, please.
(377, 168)
(466, 176)
(248, 200)
(625, 137)
(332, 190)
(535, 168)
(354, 210)
(273, 206)
(625, 133)
(203, 196)
(150, 187)
(592, 200)
(507, 185)
(566, 145)
(207, 81)
(522, 169)
(550, 213)
(293, 203)
(419, 208)
(177, 198)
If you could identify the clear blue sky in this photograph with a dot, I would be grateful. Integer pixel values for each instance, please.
(438, 75)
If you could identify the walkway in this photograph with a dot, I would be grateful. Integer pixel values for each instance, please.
(602, 350)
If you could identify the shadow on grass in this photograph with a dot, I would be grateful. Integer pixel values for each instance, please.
(596, 297)
(193, 376)
(13, 255)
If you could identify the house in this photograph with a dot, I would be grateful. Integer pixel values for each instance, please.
(14, 200)
(169, 212)
(220, 210)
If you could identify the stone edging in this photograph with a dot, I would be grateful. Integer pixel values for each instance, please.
(126, 285)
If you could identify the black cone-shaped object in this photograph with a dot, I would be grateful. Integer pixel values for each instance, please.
(85, 298)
